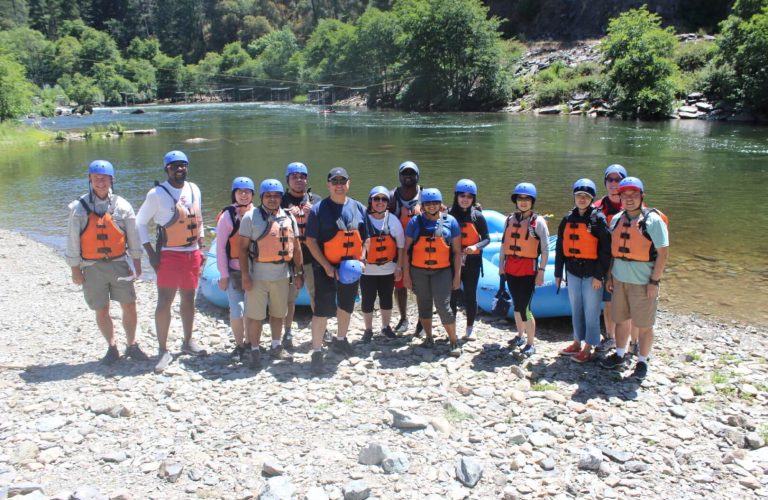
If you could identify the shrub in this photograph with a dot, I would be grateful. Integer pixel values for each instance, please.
(691, 56)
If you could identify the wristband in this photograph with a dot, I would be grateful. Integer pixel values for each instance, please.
(653, 282)
(542, 269)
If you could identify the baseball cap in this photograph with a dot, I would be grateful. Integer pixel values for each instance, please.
(408, 165)
(338, 172)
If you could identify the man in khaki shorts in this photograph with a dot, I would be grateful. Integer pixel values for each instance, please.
(102, 237)
(270, 242)
(640, 249)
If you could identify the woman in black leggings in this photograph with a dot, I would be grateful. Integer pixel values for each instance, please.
(474, 237)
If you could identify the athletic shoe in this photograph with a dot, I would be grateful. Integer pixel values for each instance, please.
(571, 350)
(518, 341)
(606, 345)
(528, 350)
(419, 329)
(428, 343)
(468, 334)
(317, 362)
(582, 357)
(237, 352)
(634, 349)
(254, 359)
(387, 332)
(327, 338)
(612, 362)
(641, 371)
(455, 351)
(244, 352)
(287, 341)
(111, 357)
(165, 360)
(193, 349)
(343, 347)
(402, 325)
(280, 354)
(135, 353)
(367, 336)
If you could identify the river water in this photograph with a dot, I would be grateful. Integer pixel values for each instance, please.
(709, 178)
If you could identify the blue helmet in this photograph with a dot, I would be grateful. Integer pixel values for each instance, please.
(524, 188)
(466, 186)
(243, 183)
(631, 183)
(271, 186)
(101, 167)
(585, 186)
(350, 271)
(172, 156)
(296, 167)
(409, 165)
(615, 169)
(431, 194)
(378, 190)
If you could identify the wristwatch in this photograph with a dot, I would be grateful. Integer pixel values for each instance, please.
(653, 282)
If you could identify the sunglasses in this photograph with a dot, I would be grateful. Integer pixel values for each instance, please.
(338, 181)
(613, 179)
(432, 203)
(380, 198)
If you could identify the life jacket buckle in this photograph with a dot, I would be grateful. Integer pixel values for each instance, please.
(102, 237)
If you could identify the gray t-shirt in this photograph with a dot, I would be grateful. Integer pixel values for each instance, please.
(252, 226)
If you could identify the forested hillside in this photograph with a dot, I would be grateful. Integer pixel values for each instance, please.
(413, 54)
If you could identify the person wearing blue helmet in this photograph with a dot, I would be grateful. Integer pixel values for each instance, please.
(474, 237)
(336, 231)
(102, 244)
(524, 253)
(175, 206)
(384, 262)
(584, 251)
(298, 200)
(640, 249)
(269, 253)
(227, 257)
(404, 203)
(433, 266)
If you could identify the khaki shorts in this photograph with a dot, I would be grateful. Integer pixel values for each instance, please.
(631, 302)
(309, 284)
(101, 284)
(267, 293)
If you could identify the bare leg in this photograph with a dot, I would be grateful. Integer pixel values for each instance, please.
(646, 340)
(276, 326)
(401, 297)
(238, 329)
(426, 323)
(104, 322)
(129, 322)
(623, 333)
(289, 316)
(386, 317)
(319, 323)
(520, 324)
(368, 320)
(187, 312)
(165, 298)
(255, 326)
(451, 330)
(610, 325)
(343, 318)
(530, 330)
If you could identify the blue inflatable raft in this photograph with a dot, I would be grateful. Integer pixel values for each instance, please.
(209, 283)
(547, 303)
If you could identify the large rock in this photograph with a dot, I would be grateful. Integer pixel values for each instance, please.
(170, 471)
(549, 110)
(395, 463)
(408, 421)
(590, 458)
(372, 454)
(468, 471)
(278, 488)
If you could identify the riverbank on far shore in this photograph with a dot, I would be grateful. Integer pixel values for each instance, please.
(210, 429)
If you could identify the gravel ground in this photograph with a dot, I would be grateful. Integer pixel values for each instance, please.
(396, 421)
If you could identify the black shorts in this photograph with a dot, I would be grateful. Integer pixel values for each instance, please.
(330, 294)
(371, 286)
(521, 289)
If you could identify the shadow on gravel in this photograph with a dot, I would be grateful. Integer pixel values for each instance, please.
(594, 382)
(36, 374)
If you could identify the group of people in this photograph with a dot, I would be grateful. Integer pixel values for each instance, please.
(407, 238)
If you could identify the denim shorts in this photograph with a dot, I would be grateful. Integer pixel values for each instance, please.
(236, 298)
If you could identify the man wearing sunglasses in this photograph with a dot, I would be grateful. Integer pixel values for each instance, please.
(335, 233)
(405, 203)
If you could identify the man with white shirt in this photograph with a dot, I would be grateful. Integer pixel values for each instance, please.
(176, 208)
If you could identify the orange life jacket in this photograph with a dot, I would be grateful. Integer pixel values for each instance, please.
(469, 236)
(430, 251)
(233, 240)
(608, 208)
(346, 243)
(183, 229)
(101, 239)
(520, 238)
(275, 244)
(578, 240)
(630, 239)
(382, 247)
(300, 213)
(404, 213)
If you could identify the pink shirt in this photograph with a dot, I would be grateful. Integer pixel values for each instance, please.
(223, 230)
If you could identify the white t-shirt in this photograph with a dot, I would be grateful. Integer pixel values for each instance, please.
(396, 230)
(159, 207)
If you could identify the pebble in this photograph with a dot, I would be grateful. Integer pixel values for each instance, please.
(395, 463)
(468, 471)
(372, 454)
(590, 458)
(356, 490)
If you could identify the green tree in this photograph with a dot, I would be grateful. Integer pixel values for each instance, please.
(253, 28)
(326, 54)
(32, 50)
(143, 48)
(142, 74)
(67, 56)
(376, 51)
(81, 89)
(13, 13)
(15, 90)
(640, 71)
(96, 47)
(750, 62)
(274, 51)
(453, 53)
(112, 85)
(170, 75)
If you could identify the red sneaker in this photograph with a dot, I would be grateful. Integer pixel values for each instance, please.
(571, 350)
(582, 357)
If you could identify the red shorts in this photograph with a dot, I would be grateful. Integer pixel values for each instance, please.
(399, 284)
(179, 270)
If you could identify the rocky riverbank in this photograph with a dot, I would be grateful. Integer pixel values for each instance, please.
(396, 421)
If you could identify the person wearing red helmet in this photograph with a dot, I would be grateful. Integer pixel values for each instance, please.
(640, 249)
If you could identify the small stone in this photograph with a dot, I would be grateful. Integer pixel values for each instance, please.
(754, 440)
(635, 466)
(541, 439)
(402, 420)
(395, 463)
(736, 437)
(88, 493)
(518, 372)
(356, 490)
(517, 396)
(316, 493)
(50, 455)
(517, 437)
(170, 471)
(122, 494)
(372, 454)
(48, 424)
(27, 450)
(678, 411)
(547, 464)
(24, 488)
(468, 471)
(271, 467)
(750, 482)
(278, 488)
(617, 455)
(115, 457)
(441, 425)
(685, 433)
(685, 393)
(590, 458)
